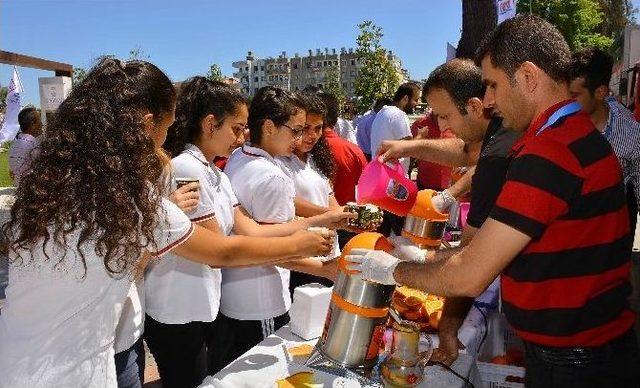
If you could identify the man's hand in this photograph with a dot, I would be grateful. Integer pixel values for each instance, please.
(375, 266)
(406, 250)
(447, 350)
(393, 150)
(186, 197)
(443, 201)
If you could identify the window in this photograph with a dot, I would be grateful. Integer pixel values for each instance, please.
(262, 78)
(353, 62)
(344, 84)
(295, 65)
(261, 68)
(353, 73)
(255, 79)
(344, 62)
(319, 63)
(255, 68)
(324, 64)
(335, 62)
(246, 68)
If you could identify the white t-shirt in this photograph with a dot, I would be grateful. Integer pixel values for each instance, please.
(310, 185)
(345, 130)
(178, 290)
(390, 123)
(131, 325)
(22, 151)
(58, 325)
(267, 194)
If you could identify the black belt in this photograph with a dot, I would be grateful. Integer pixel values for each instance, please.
(622, 346)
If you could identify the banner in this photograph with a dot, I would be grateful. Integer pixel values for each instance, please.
(10, 126)
(506, 9)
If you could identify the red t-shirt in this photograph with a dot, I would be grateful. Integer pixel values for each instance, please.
(432, 175)
(350, 162)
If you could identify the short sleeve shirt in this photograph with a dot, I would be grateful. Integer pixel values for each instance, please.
(311, 185)
(22, 151)
(491, 170)
(569, 286)
(390, 123)
(59, 322)
(173, 280)
(267, 193)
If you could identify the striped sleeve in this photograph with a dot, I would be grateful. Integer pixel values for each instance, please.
(173, 228)
(539, 187)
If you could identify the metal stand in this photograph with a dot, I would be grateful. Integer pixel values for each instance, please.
(366, 377)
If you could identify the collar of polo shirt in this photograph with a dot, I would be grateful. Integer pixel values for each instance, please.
(196, 153)
(257, 152)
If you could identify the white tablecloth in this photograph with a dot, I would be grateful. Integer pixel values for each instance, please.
(269, 361)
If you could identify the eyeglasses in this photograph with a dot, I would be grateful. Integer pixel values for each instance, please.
(295, 132)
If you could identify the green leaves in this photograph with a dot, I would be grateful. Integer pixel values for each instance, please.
(378, 76)
(214, 73)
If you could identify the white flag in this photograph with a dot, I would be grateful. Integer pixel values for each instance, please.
(451, 52)
(506, 9)
(10, 127)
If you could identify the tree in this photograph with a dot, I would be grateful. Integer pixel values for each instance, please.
(578, 20)
(214, 73)
(78, 75)
(479, 17)
(3, 98)
(138, 53)
(334, 85)
(619, 13)
(377, 76)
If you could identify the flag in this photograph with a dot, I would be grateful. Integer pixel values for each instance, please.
(506, 9)
(451, 52)
(10, 126)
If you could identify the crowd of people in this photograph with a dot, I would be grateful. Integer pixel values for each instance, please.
(108, 247)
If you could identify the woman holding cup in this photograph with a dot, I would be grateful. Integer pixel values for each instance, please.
(183, 298)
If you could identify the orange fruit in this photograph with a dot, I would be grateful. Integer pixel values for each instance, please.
(434, 319)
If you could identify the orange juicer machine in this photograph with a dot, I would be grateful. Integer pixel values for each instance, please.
(424, 225)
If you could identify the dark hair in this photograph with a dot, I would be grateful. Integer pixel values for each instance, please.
(333, 108)
(271, 103)
(320, 153)
(460, 78)
(594, 65)
(98, 170)
(527, 38)
(406, 89)
(27, 118)
(197, 98)
(380, 103)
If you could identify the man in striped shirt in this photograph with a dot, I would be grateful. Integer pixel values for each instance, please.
(559, 232)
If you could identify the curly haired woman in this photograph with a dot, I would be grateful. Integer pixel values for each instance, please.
(87, 216)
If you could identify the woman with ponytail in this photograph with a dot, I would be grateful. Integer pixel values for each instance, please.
(182, 297)
(87, 216)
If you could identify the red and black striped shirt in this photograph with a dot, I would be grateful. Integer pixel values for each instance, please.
(569, 286)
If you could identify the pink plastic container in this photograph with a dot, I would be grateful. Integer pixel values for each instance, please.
(386, 186)
(464, 212)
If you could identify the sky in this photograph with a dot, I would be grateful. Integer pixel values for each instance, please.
(184, 37)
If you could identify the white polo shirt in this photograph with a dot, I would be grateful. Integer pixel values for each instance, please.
(310, 184)
(22, 151)
(391, 123)
(180, 291)
(267, 194)
(58, 325)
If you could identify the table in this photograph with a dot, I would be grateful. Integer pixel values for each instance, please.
(269, 361)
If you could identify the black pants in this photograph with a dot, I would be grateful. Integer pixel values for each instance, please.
(180, 351)
(621, 369)
(632, 205)
(233, 337)
(300, 278)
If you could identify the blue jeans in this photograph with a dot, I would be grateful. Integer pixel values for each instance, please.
(130, 366)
